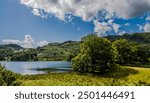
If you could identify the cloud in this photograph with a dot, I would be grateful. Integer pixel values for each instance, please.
(127, 24)
(87, 9)
(39, 13)
(146, 27)
(42, 43)
(36, 12)
(28, 42)
(11, 41)
(141, 27)
(116, 27)
(110, 22)
(90, 10)
(101, 28)
(109, 15)
(122, 32)
(128, 8)
(148, 18)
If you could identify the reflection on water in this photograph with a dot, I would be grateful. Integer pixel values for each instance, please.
(38, 67)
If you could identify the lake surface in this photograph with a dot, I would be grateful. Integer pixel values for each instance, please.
(38, 67)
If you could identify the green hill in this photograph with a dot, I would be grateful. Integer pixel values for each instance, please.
(65, 50)
(62, 51)
(11, 46)
(136, 37)
(143, 39)
(58, 51)
(7, 51)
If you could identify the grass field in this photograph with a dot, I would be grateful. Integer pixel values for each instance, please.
(124, 76)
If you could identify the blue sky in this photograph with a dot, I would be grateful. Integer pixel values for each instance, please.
(34, 22)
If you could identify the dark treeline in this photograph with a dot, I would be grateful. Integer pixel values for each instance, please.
(51, 52)
(9, 54)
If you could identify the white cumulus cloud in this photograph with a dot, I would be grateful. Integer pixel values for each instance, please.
(122, 33)
(116, 27)
(101, 28)
(28, 42)
(42, 43)
(146, 27)
(110, 22)
(11, 41)
(90, 10)
(36, 12)
(148, 17)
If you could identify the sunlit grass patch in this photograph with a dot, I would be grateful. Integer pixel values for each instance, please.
(124, 76)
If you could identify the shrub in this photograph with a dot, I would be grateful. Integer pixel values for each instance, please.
(8, 78)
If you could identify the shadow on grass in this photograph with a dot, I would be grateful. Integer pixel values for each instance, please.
(53, 70)
(146, 65)
(119, 73)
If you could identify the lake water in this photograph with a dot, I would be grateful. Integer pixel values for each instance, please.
(37, 67)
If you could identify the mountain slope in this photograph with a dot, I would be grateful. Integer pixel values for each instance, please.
(136, 37)
(11, 46)
(58, 51)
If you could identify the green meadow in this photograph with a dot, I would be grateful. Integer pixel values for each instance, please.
(123, 76)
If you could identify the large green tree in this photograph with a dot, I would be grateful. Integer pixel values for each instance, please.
(142, 54)
(96, 55)
(125, 51)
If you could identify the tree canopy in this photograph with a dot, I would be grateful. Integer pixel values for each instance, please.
(130, 52)
(96, 55)
(124, 50)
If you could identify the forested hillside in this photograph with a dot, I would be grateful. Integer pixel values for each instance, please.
(70, 48)
(11, 46)
(59, 51)
(62, 51)
(136, 37)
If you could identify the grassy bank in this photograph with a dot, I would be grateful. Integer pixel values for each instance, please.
(125, 76)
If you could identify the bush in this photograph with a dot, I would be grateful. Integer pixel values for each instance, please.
(8, 78)
(96, 55)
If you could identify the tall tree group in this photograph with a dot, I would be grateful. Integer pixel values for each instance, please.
(100, 55)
